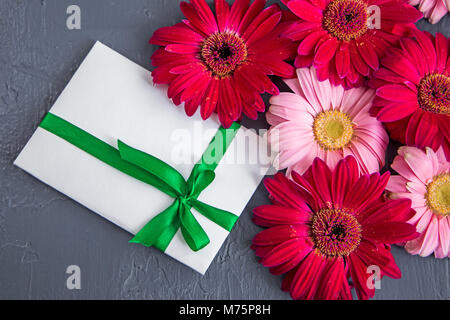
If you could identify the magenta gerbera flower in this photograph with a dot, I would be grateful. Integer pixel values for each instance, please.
(325, 121)
(413, 91)
(221, 62)
(343, 40)
(424, 177)
(328, 226)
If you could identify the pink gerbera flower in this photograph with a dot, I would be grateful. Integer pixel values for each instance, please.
(424, 177)
(345, 39)
(433, 10)
(322, 120)
(221, 62)
(328, 226)
(413, 91)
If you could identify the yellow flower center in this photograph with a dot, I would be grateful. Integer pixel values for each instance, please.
(434, 93)
(333, 129)
(223, 52)
(438, 194)
(335, 232)
(345, 19)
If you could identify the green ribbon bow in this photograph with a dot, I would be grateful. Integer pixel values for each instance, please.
(159, 231)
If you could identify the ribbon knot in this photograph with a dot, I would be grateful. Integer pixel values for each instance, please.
(160, 230)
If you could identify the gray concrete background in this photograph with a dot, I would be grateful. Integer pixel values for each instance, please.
(43, 232)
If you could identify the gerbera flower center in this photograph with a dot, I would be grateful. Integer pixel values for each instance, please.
(335, 232)
(333, 129)
(438, 194)
(223, 52)
(345, 19)
(434, 93)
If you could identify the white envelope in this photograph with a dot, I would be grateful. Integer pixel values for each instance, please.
(113, 98)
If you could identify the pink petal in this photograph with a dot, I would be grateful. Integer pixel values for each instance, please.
(306, 84)
(444, 235)
(431, 239)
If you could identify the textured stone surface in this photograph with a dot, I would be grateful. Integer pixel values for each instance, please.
(42, 232)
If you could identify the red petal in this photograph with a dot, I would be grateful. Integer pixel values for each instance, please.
(368, 54)
(411, 126)
(402, 67)
(414, 54)
(162, 75)
(276, 214)
(255, 8)
(326, 51)
(372, 255)
(308, 45)
(175, 34)
(306, 277)
(182, 48)
(264, 28)
(282, 193)
(389, 232)
(198, 23)
(192, 105)
(427, 131)
(188, 67)
(205, 13)
(182, 82)
(331, 282)
(408, 13)
(396, 111)
(308, 192)
(238, 10)
(305, 10)
(357, 61)
(428, 50)
(322, 179)
(284, 252)
(300, 29)
(278, 234)
(196, 90)
(343, 61)
(339, 185)
(396, 92)
(304, 61)
(222, 14)
(359, 275)
(291, 264)
(392, 210)
(229, 98)
(260, 19)
(209, 103)
(441, 51)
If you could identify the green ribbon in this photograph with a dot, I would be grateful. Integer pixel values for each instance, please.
(159, 231)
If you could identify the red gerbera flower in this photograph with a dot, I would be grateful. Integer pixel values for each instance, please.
(325, 227)
(337, 40)
(221, 62)
(413, 91)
